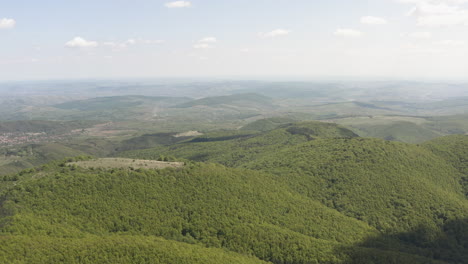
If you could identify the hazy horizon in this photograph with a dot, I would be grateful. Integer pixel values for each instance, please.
(326, 40)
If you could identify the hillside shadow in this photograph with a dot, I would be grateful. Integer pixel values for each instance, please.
(447, 244)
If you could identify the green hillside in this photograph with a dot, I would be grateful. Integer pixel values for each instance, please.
(16, 159)
(409, 129)
(38, 126)
(244, 146)
(306, 192)
(345, 109)
(445, 106)
(245, 100)
(267, 124)
(454, 149)
(447, 125)
(115, 108)
(409, 193)
(326, 159)
(208, 205)
(113, 102)
(150, 140)
(203, 204)
(112, 249)
(402, 131)
(394, 187)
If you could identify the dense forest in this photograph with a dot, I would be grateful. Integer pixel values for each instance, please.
(306, 192)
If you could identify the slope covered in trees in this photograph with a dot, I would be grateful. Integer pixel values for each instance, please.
(28, 156)
(409, 193)
(121, 102)
(244, 100)
(307, 192)
(454, 149)
(38, 126)
(402, 131)
(394, 187)
(242, 211)
(236, 148)
(122, 249)
(207, 204)
(267, 124)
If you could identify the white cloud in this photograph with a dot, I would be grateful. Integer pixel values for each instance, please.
(79, 42)
(202, 46)
(129, 42)
(433, 1)
(438, 12)
(420, 35)
(22, 60)
(275, 33)
(150, 41)
(6, 23)
(114, 45)
(178, 4)
(419, 49)
(450, 42)
(194, 55)
(347, 32)
(245, 50)
(371, 20)
(208, 40)
(205, 43)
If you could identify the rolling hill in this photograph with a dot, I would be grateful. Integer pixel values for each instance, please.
(409, 193)
(106, 103)
(244, 146)
(402, 131)
(242, 211)
(454, 149)
(247, 100)
(267, 124)
(38, 126)
(305, 192)
(32, 155)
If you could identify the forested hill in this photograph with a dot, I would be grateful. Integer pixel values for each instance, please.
(40, 126)
(245, 212)
(453, 149)
(235, 148)
(121, 102)
(304, 192)
(244, 100)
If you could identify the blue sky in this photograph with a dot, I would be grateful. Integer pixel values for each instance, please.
(386, 39)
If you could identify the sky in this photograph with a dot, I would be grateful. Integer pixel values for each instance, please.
(312, 39)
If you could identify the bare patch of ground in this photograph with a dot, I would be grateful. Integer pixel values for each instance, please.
(110, 163)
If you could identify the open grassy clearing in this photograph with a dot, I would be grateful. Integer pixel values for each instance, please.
(110, 163)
